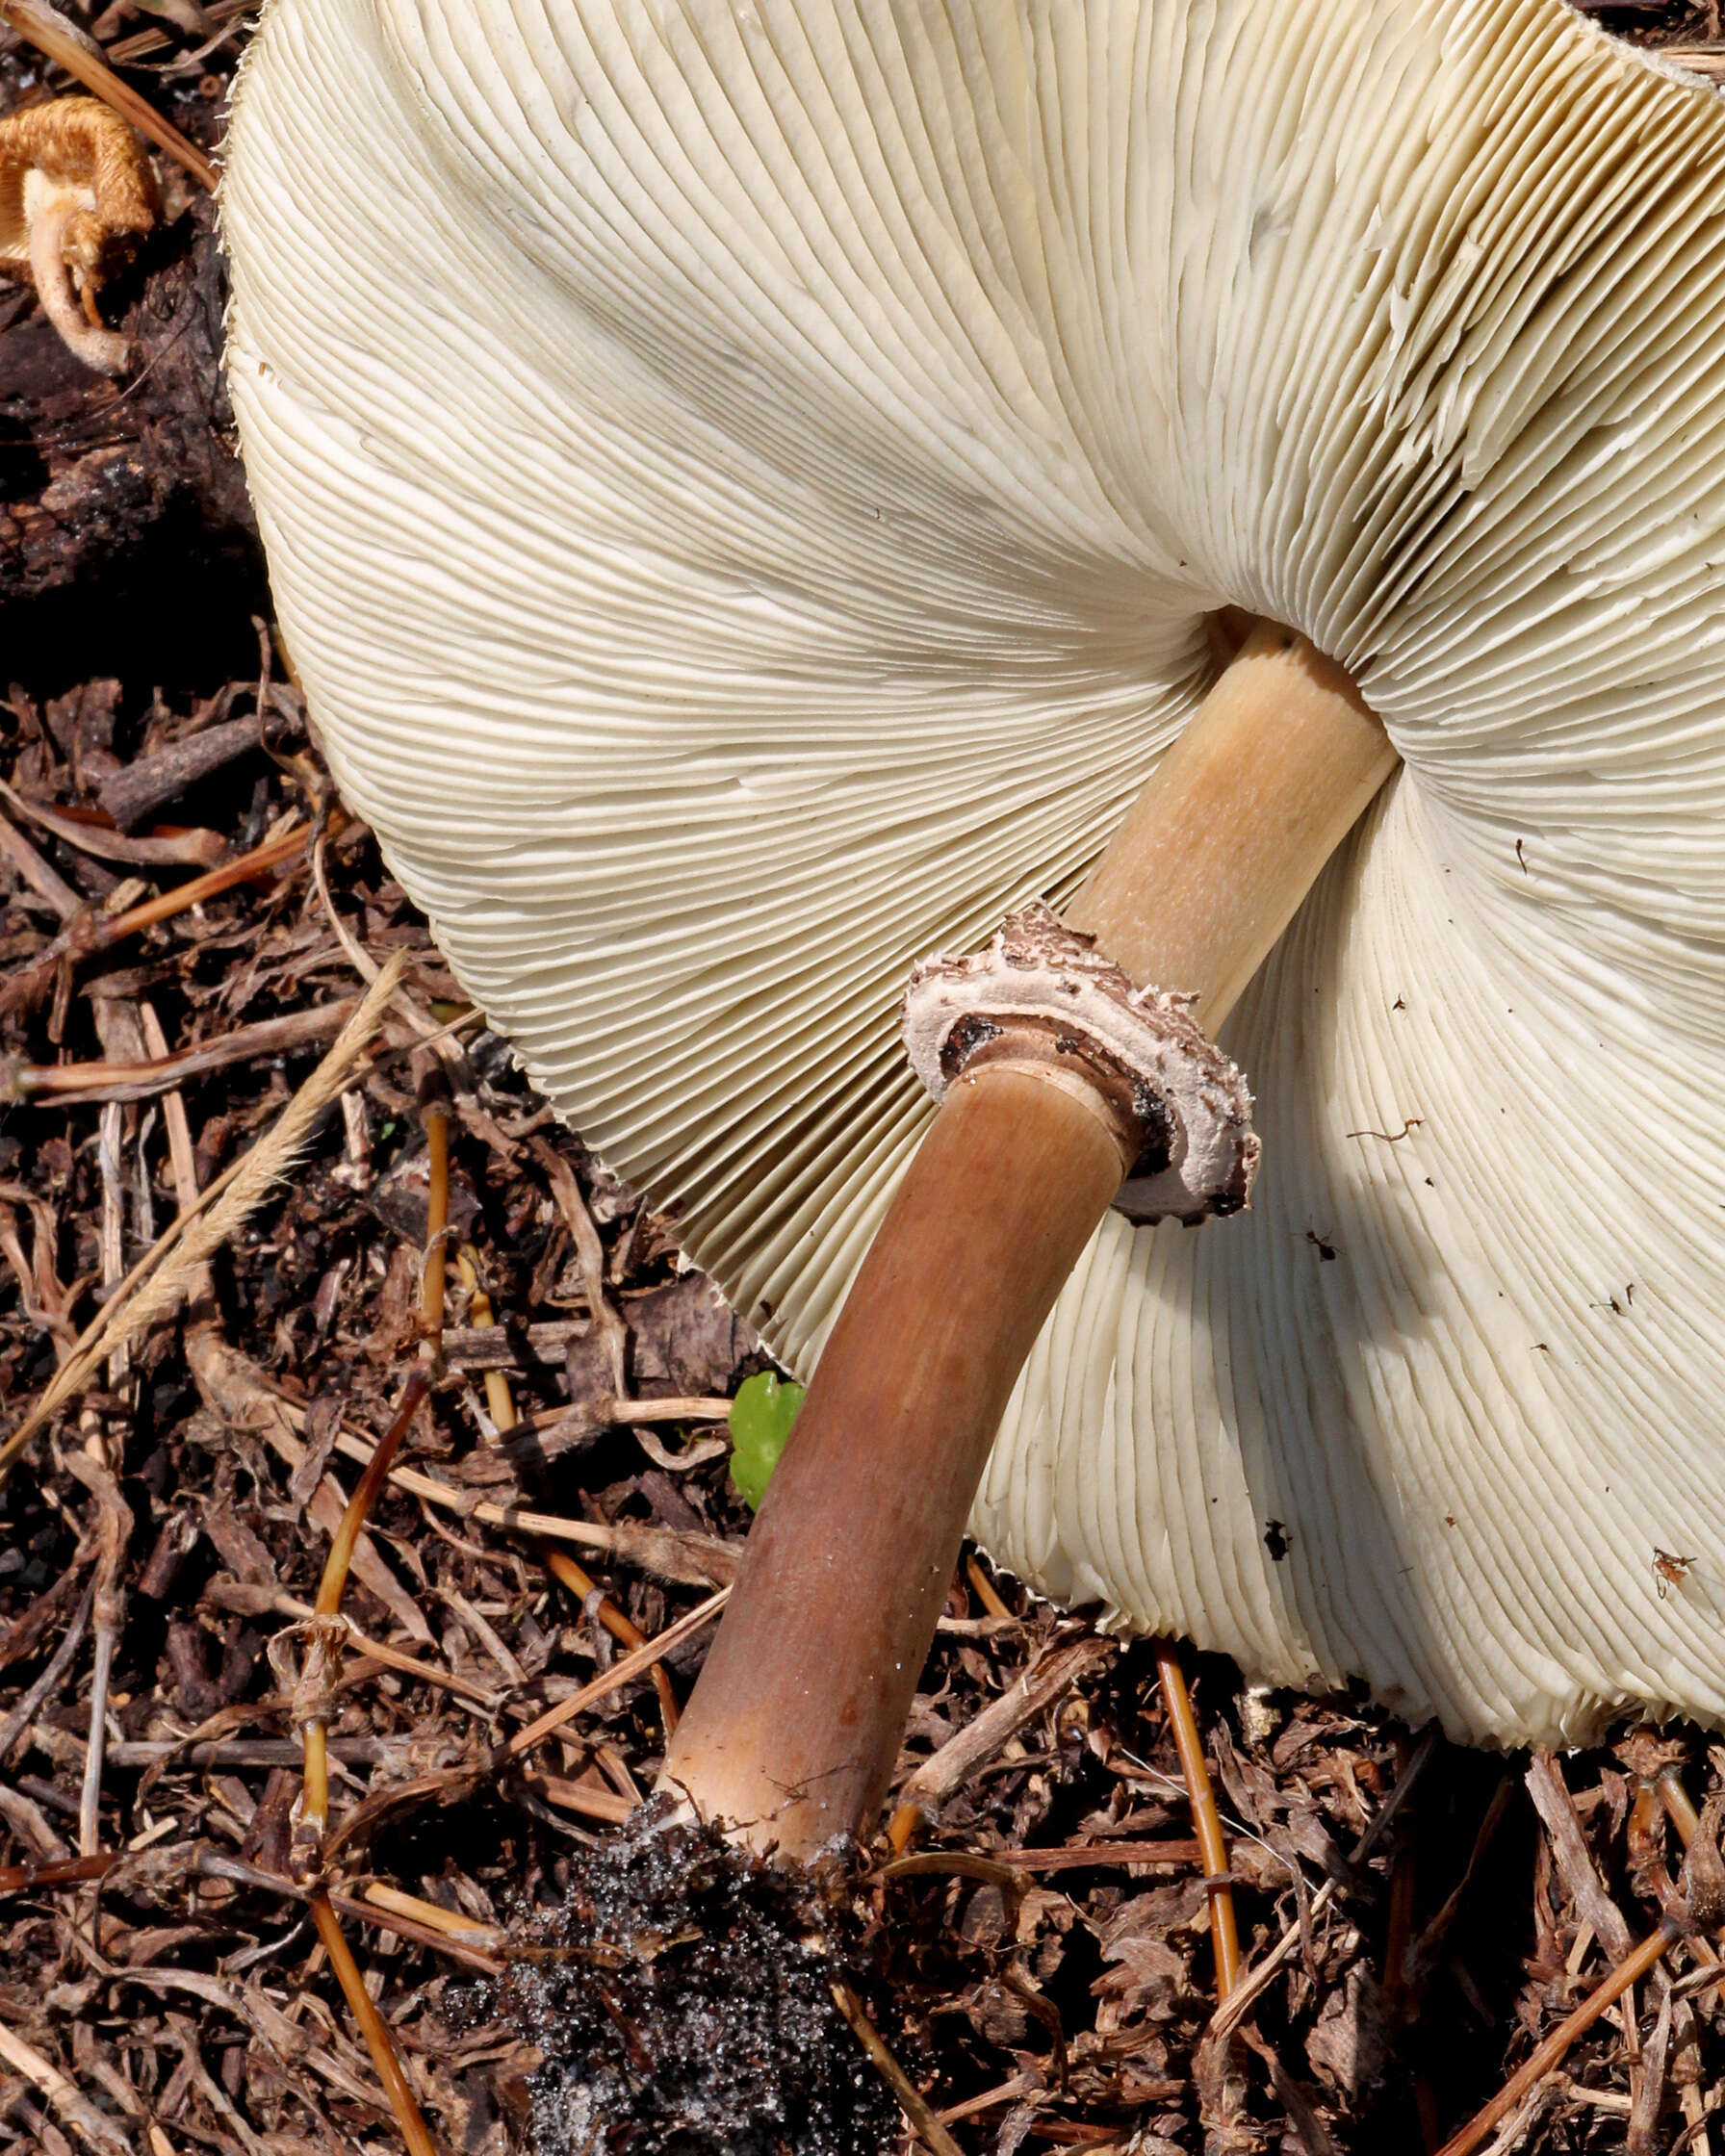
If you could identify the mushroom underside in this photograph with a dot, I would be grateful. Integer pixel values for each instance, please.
(706, 539)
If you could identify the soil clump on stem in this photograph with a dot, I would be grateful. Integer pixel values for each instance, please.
(682, 1993)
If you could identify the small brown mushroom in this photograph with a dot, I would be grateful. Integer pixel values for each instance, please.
(75, 186)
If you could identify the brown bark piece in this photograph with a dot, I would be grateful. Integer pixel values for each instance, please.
(131, 793)
(1051, 1674)
(1573, 1860)
(97, 469)
(687, 1339)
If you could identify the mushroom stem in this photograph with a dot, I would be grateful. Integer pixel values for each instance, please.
(1231, 829)
(104, 349)
(793, 1729)
(798, 1712)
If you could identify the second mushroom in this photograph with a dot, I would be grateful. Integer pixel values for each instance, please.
(76, 190)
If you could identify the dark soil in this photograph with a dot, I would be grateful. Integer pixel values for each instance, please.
(683, 1997)
(1439, 1910)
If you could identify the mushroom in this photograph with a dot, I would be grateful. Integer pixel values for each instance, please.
(751, 492)
(75, 187)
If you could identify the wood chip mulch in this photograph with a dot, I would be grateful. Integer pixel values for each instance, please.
(1038, 1962)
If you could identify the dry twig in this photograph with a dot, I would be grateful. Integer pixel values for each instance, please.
(564, 1569)
(1555, 2047)
(64, 2099)
(620, 1673)
(75, 1082)
(927, 2127)
(1177, 1703)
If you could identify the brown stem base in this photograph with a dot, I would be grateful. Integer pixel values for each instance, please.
(792, 1732)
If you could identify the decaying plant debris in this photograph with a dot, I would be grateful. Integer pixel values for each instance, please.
(1431, 1915)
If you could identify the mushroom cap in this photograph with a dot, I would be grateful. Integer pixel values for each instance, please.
(744, 486)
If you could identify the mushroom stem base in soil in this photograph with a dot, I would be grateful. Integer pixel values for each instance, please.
(1048, 1105)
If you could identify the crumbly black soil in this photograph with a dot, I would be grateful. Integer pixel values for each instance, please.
(681, 1994)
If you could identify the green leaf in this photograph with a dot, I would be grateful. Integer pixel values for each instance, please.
(760, 1418)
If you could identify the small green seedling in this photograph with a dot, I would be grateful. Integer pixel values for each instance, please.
(760, 1418)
